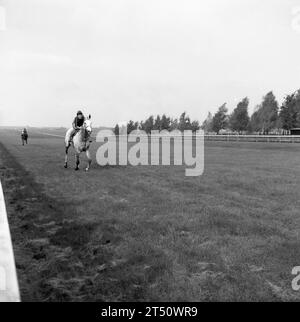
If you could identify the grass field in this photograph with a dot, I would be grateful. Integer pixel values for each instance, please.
(150, 233)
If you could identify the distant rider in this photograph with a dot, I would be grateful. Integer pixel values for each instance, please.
(77, 124)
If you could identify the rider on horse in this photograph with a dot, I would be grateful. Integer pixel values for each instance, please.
(24, 132)
(77, 124)
(24, 136)
(80, 135)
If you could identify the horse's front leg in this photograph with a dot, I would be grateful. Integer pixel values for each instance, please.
(88, 155)
(66, 156)
(77, 161)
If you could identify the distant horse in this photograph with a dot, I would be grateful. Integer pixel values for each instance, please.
(81, 143)
(24, 137)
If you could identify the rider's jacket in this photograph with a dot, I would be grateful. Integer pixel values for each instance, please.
(77, 122)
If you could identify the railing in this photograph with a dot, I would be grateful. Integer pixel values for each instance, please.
(9, 289)
(229, 138)
(254, 138)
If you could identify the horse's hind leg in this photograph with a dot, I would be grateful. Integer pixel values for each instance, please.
(88, 155)
(66, 156)
(77, 161)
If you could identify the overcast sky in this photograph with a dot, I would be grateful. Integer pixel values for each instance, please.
(127, 59)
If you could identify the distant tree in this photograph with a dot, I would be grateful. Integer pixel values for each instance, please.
(174, 124)
(290, 111)
(165, 123)
(266, 117)
(220, 119)
(157, 123)
(148, 125)
(184, 122)
(195, 126)
(270, 111)
(255, 123)
(239, 119)
(131, 126)
(207, 124)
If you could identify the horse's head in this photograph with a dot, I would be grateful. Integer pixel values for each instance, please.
(87, 125)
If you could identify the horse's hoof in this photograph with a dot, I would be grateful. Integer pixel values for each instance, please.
(65, 166)
(76, 169)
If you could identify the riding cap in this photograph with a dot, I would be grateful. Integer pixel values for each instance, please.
(79, 113)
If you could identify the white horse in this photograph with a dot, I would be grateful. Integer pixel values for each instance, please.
(81, 143)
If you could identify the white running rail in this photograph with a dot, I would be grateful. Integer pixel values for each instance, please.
(254, 138)
(232, 138)
(9, 289)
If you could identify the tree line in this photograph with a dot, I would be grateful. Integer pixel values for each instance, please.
(268, 117)
(162, 122)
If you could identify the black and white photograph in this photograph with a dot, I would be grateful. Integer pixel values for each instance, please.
(149, 153)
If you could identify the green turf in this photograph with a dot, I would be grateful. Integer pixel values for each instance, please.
(150, 233)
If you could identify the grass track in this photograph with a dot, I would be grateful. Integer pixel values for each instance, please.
(150, 233)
